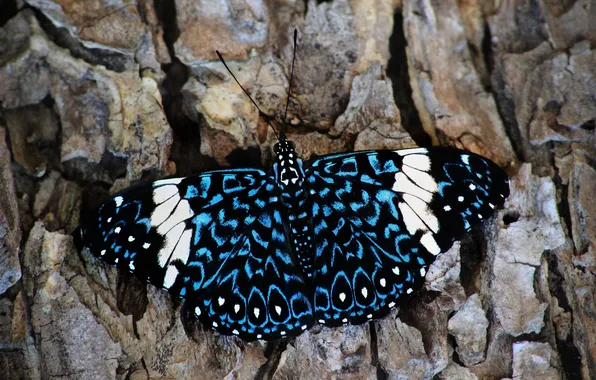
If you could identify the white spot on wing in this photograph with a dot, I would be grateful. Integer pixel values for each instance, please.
(423, 211)
(197, 311)
(472, 186)
(303, 327)
(364, 292)
(404, 185)
(171, 239)
(163, 211)
(422, 272)
(422, 179)
(447, 208)
(131, 238)
(163, 193)
(492, 206)
(103, 252)
(180, 214)
(236, 308)
(409, 290)
(345, 320)
(396, 270)
(168, 181)
(259, 336)
(460, 198)
(404, 152)
(417, 161)
(182, 249)
(170, 277)
(118, 201)
(383, 282)
(109, 219)
(369, 316)
(221, 301)
(391, 304)
(342, 297)
(256, 311)
(465, 158)
(282, 333)
(278, 309)
(411, 220)
(429, 242)
(235, 332)
(117, 230)
(146, 245)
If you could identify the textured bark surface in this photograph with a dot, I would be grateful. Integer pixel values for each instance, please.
(96, 95)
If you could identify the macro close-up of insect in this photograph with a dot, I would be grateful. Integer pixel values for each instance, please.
(265, 255)
(297, 189)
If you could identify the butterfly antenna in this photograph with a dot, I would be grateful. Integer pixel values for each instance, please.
(291, 75)
(261, 113)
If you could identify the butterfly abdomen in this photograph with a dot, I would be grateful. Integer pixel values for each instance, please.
(300, 230)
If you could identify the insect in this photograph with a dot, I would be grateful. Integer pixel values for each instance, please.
(337, 240)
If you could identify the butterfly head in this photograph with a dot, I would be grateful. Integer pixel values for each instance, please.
(287, 167)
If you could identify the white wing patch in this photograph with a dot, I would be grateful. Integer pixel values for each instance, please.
(423, 211)
(170, 277)
(429, 242)
(182, 250)
(180, 214)
(163, 193)
(163, 211)
(405, 152)
(171, 239)
(420, 178)
(168, 181)
(169, 217)
(412, 221)
(404, 185)
(417, 161)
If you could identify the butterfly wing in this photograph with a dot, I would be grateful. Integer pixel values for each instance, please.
(217, 240)
(379, 219)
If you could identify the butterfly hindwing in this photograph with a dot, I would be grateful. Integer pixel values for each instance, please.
(257, 291)
(380, 218)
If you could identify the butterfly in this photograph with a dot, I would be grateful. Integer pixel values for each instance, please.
(339, 239)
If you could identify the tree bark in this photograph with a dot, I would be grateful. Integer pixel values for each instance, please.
(95, 96)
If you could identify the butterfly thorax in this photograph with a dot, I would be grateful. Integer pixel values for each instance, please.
(289, 174)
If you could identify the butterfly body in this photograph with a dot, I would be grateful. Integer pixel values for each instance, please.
(289, 174)
(338, 240)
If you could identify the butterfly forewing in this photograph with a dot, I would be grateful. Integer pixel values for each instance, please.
(380, 218)
(121, 233)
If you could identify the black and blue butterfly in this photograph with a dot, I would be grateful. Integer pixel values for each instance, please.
(337, 240)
